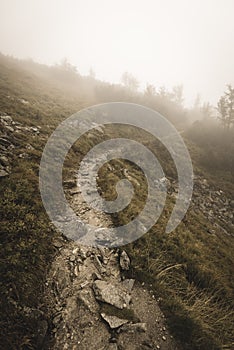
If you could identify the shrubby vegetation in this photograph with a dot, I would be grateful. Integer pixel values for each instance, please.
(215, 139)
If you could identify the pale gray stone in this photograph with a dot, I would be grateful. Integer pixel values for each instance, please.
(124, 261)
(113, 294)
(113, 321)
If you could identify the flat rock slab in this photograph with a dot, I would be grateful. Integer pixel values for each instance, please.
(110, 293)
(113, 321)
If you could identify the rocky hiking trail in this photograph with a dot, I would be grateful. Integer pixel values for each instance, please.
(91, 302)
(93, 305)
(213, 203)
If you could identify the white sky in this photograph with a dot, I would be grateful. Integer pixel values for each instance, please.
(166, 42)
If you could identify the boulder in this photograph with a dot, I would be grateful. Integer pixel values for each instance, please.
(113, 294)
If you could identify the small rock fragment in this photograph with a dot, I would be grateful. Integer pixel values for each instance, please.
(113, 321)
(124, 261)
(72, 258)
(84, 284)
(3, 173)
(58, 244)
(133, 327)
(128, 284)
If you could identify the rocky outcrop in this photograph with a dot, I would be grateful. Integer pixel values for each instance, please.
(213, 203)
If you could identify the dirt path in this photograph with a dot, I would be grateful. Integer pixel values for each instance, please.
(91, 304)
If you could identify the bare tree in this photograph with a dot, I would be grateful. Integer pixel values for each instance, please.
(226, 108)
(130, 81)
(150, 90)
(177, 94)
(67, 66)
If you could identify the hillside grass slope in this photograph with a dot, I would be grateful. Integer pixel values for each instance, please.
(190, 269)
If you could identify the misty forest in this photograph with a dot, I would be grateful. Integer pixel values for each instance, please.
(163, 290)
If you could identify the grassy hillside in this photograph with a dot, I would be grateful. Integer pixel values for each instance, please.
(190, 270)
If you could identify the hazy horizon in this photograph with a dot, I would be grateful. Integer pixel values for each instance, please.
(162, 43)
